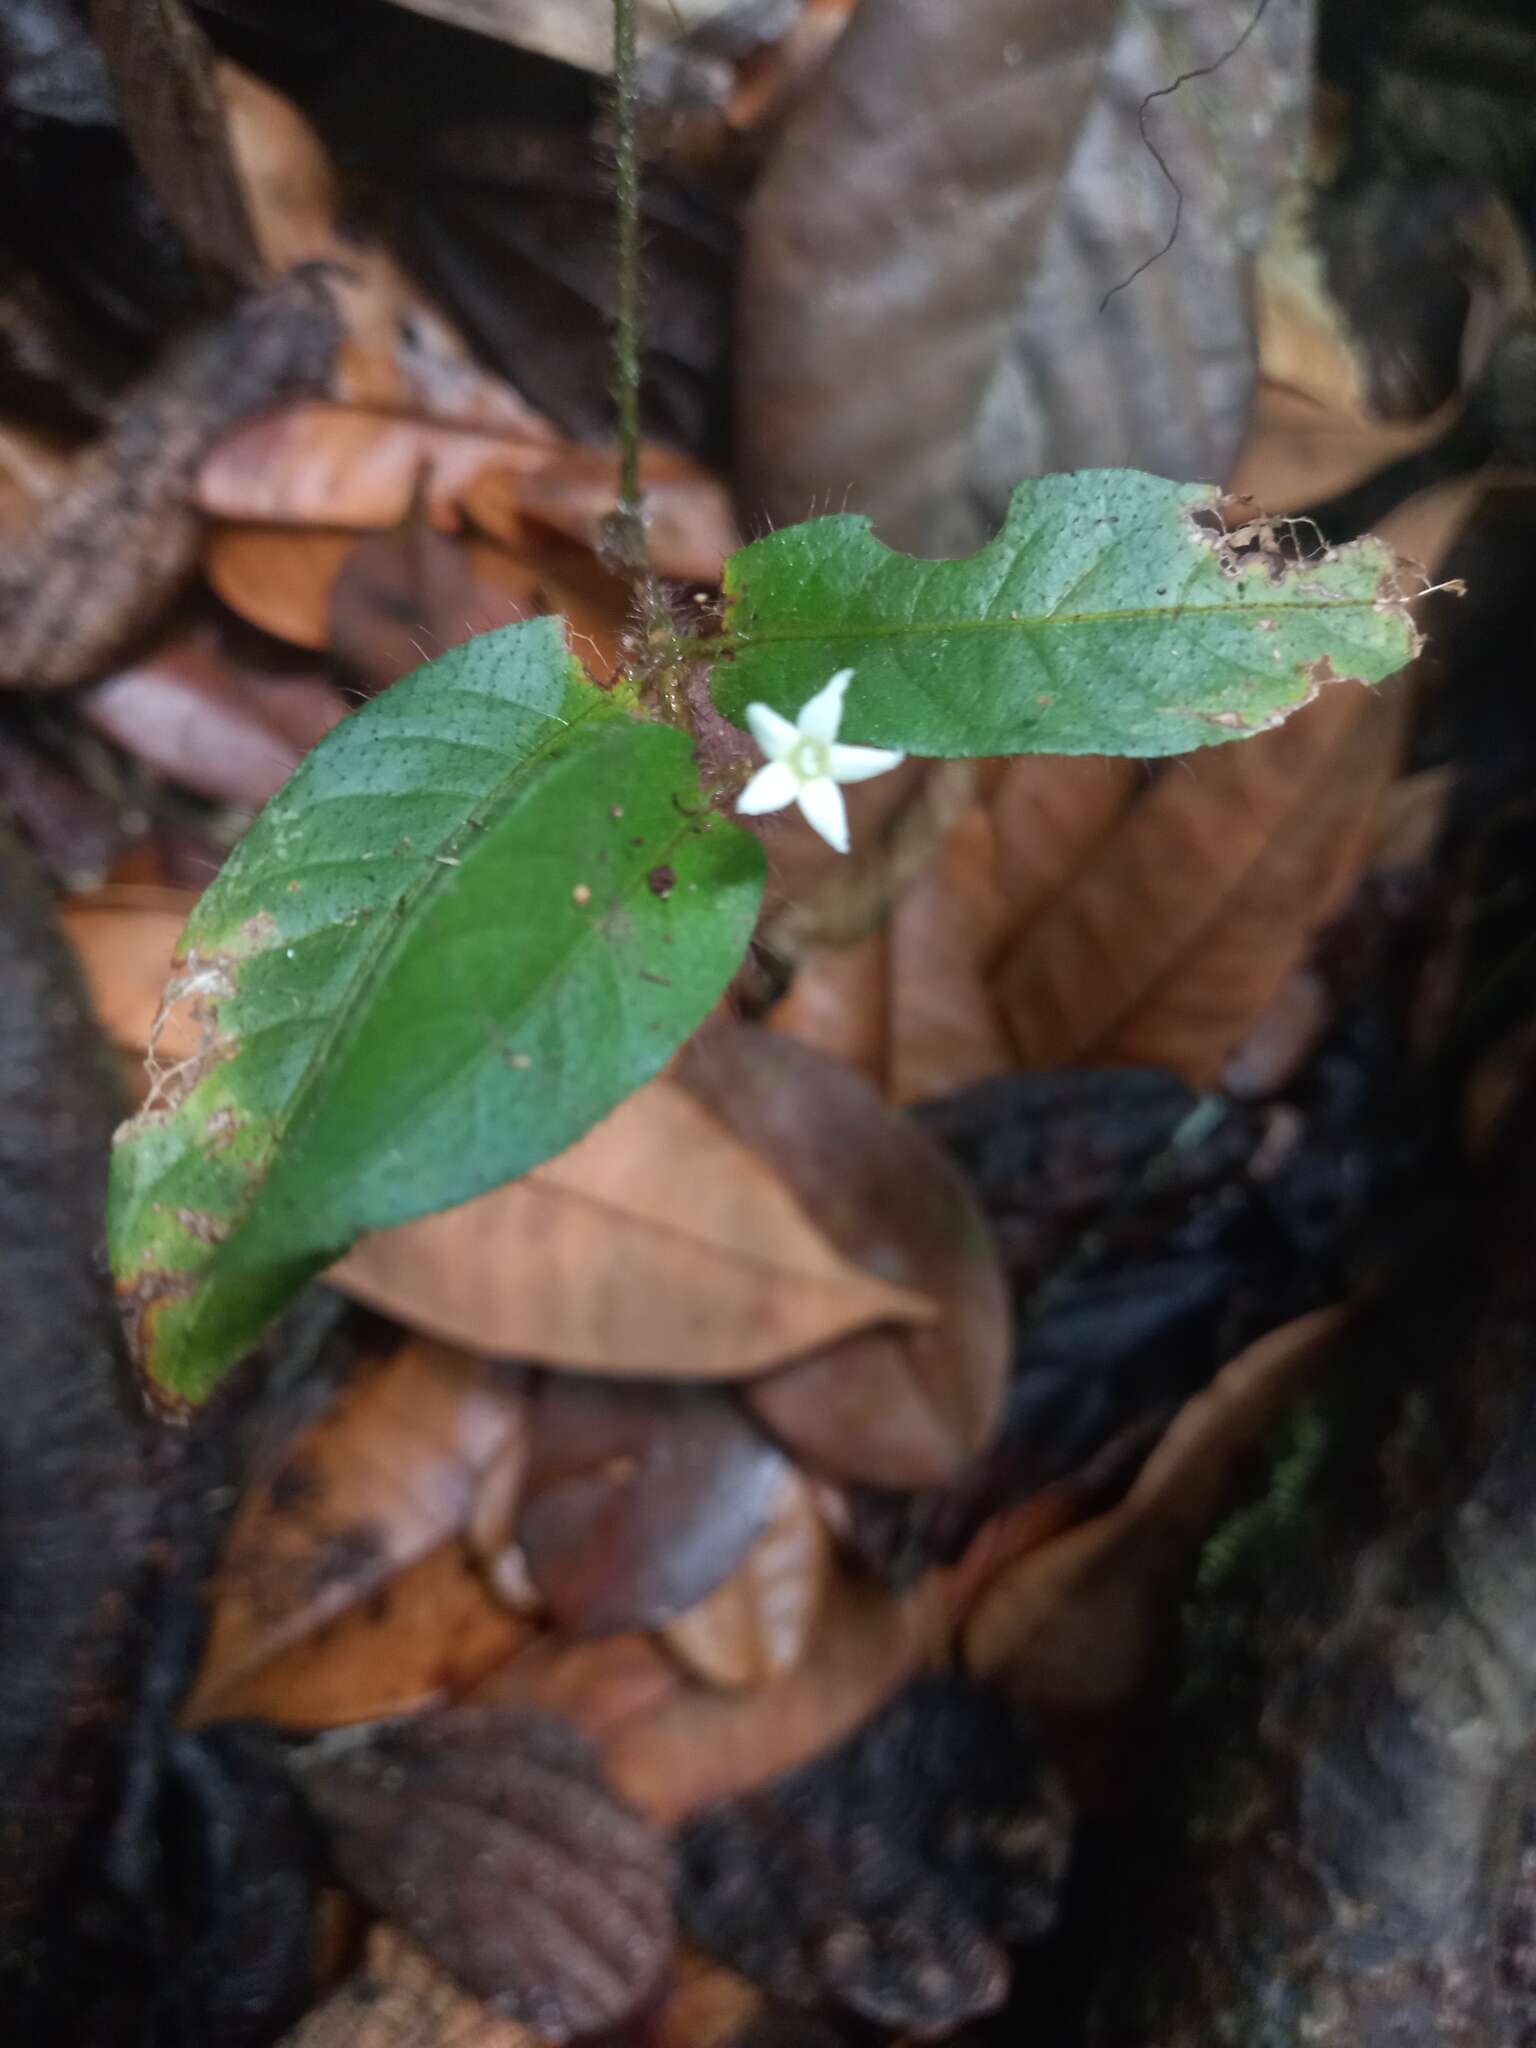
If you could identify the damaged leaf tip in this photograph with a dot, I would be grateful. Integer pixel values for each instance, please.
(1115, 613)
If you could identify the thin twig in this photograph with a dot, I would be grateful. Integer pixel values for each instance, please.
(629, 525)
(658, 660)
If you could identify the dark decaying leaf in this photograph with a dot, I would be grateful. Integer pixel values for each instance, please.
(492, 1839)
(895, 1407)
(112, 546)
(167, 89)
(639, 1501)
(925, 115)
(891, 1876)
(1148, 1235)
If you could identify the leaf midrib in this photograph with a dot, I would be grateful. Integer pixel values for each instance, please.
(745, 641)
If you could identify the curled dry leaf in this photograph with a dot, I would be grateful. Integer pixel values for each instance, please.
(665, 1243)
(490, 1836)
(639, 1500)
(388, 1474)
(759, 1623)
(317, 464)
(891, 1406)
(110, 548)
(1077, 1623)
(400, 1998)
(191, 713)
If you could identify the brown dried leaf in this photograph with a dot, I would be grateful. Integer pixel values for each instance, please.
(281, 578)
(709, 2006)
(490, 1835)
(124, 936)
(401, 1999)
(910, 1004)
(164, 77)
(316, 464)
(1177, 937)
(399, 351)
(945, 1031)
(1050, 814)
(191, 713)
(387, 1475)
(689, 525)
(111, 547)
(424, 1639)
(839, 1004)
(663, 1243)
(892, 1407)
(759, 1623)
(404, 597)
(913, 119)
(695, 1746)
(1078, 1622)
(594, 1683)
(639, 1500)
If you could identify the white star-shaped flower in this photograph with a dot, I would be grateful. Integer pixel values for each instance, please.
(806, 762)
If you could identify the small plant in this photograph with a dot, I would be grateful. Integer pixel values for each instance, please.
(496, 899)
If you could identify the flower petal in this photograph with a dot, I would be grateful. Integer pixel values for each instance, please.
(820, 718)
(773, 732)
(858, 764)
(770, 789)
(821, 805)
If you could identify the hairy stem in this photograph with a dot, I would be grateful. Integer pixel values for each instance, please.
(628, 526)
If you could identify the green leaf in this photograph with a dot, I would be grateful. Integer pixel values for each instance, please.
(1108, 617)
(483, 911)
